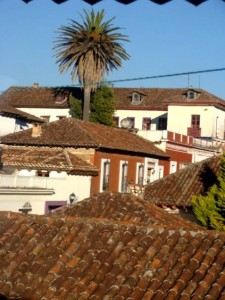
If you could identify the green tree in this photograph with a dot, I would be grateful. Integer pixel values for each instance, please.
(76, 110)
(91, 49)
(103, 106)
(210, 209)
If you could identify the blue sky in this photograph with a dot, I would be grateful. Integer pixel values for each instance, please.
(172, 38)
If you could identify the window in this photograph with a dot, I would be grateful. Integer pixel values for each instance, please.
(195, 121)
(52, 205)
(105, 175)
(124, 172)
(146, 123)
(132, 121)
(140, 178)
(116, 121)
(136, 98)
(173, 167)
(191, 95)
(42, 173)
(162, 125)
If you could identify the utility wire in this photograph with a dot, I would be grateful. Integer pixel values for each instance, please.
(149, 77)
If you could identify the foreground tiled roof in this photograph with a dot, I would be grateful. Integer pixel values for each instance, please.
(44, 158)
(125, 207)
(159, 98)
(70, 132)
(178, 188)
(11, 111)
(76, 257)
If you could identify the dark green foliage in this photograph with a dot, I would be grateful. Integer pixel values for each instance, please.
(210, 209)
(76, 108)
(103, 106)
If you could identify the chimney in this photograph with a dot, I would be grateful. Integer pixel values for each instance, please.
(36, 130)
(36, 85)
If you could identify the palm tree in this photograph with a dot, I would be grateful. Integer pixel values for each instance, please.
(91, 49)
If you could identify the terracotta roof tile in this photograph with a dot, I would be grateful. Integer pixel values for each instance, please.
(108, 206)
(154, 98)
(70, 132)
(178, 188)
(79, 256)
(45, 158)
(11, 111)
(40, 97)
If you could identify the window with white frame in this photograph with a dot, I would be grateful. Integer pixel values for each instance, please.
(123, 173)
(136, 98)
(161, 171)
(140, 173)
(173, 167)
(105, 172)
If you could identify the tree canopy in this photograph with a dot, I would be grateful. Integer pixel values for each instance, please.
(91, 49)
(210, 208)
(102, 106)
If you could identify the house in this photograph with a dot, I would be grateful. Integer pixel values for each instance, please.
(186, 123)
(48, 103)
(39, 179)
(174, 192)
(13, 119)
(110, 246)
(125, 161)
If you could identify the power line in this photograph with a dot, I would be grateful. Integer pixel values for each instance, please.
(150, 77)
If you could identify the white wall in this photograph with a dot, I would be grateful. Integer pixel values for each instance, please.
(59, 189)
(139, 115)
(10, 125)
(179, 119)
(54, 113)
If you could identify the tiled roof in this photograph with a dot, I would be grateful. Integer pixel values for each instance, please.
(178, 188)
(159, 98)
(11, 111)
(65, 257)
(154, 98)
(44, 158)
(39, 97)
(125, 207)
(70, 132)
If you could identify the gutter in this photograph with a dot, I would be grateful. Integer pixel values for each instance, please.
(25, 191)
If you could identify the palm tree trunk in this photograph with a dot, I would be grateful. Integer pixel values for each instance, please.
(86, 104)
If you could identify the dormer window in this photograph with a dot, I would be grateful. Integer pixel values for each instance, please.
(191, 95)
(136, 98)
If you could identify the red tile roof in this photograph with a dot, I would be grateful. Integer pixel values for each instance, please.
(11, 111)
(39, 97)
(127, 208)
(159, 98)
(178, 188)
(45, 158)
(70, 132)
(58, 97)
(65, 257)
